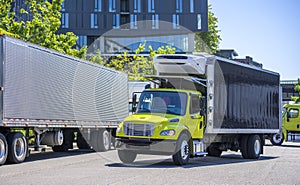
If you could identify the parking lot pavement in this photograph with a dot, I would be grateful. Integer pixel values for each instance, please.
(278, 165)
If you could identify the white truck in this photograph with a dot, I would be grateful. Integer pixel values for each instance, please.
(49, 97)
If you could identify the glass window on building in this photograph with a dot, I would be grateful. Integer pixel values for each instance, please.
(133, 21)
(155, 21)
(137, 6)
(81, 41)
(98, 5)
(192, 8)
(199, 22)
(94, 20)
(112, 5)
(151, 8)
(178, 6)
(124, 5)
(65, 20)
(116, 21)
(63, 6)
(130, 44)
(176, 24)
(124, 21)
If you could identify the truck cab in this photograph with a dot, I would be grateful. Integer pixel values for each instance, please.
(163, 118)
(290, 125)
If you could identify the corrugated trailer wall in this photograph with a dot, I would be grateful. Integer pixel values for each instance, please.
(43, 84)
(245, 97)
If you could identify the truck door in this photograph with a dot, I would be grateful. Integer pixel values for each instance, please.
(292, 120)
(196, 123)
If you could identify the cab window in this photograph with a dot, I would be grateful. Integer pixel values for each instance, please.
(195, 104)
(293, 113)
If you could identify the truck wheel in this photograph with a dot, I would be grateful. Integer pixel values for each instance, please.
(68, 138)
(126, 156)
(17, 147)
(254, 147)
(81, 142)
(101, 140)
(244, 146)
(277, 139)
(3, 149)
(182, 153)
(214, 151)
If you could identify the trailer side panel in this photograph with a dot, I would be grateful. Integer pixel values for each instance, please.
(245, 97)
(45, 85)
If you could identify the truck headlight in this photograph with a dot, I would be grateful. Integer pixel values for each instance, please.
(167, 133)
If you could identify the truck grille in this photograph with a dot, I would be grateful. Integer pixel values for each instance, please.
(132, 129)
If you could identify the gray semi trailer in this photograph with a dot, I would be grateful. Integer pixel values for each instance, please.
(50, 98)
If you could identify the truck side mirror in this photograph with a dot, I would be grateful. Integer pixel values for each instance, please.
(202, 106)
(148, 86)
(203, 103)
(134, 103)
(288, 116)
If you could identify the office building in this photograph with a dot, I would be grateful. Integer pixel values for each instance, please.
(115, 26)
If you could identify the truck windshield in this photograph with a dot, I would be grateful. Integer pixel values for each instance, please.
(163, 102)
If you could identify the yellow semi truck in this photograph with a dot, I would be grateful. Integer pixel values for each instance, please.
(204, 105)
(290, 125)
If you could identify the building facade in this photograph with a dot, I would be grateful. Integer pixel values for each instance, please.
(288, 90)
(115, 26)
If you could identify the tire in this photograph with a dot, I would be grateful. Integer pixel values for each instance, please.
(100, 140)
(68, 136)
(81, 142)
(3, 149)
(183, 152)
(244, 146)
(17, 147)
(127, 156)
(277, 139)
(214, 151)
(254, 147)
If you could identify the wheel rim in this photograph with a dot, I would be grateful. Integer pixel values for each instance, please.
(277, 138)
(2, 150)
(184, 150)
(19, 148)
(257, 147)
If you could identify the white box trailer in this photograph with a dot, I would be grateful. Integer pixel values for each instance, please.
(55, 96)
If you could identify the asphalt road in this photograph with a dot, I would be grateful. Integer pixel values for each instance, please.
(278, 165)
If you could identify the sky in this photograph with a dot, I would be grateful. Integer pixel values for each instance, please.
(266, 30)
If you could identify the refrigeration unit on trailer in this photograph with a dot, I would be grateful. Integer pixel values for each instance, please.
(55, 97)
(204, 105)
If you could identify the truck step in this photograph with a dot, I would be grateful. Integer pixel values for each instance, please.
(200, 153)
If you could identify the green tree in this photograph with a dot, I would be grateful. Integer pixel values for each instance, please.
(208, 41)
(97, 58)
(297, 89)
(136, 65)
(41, 28)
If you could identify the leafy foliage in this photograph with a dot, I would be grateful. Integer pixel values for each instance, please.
(136, 65)
(297, 89)
(208, 41)
(41, 28)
